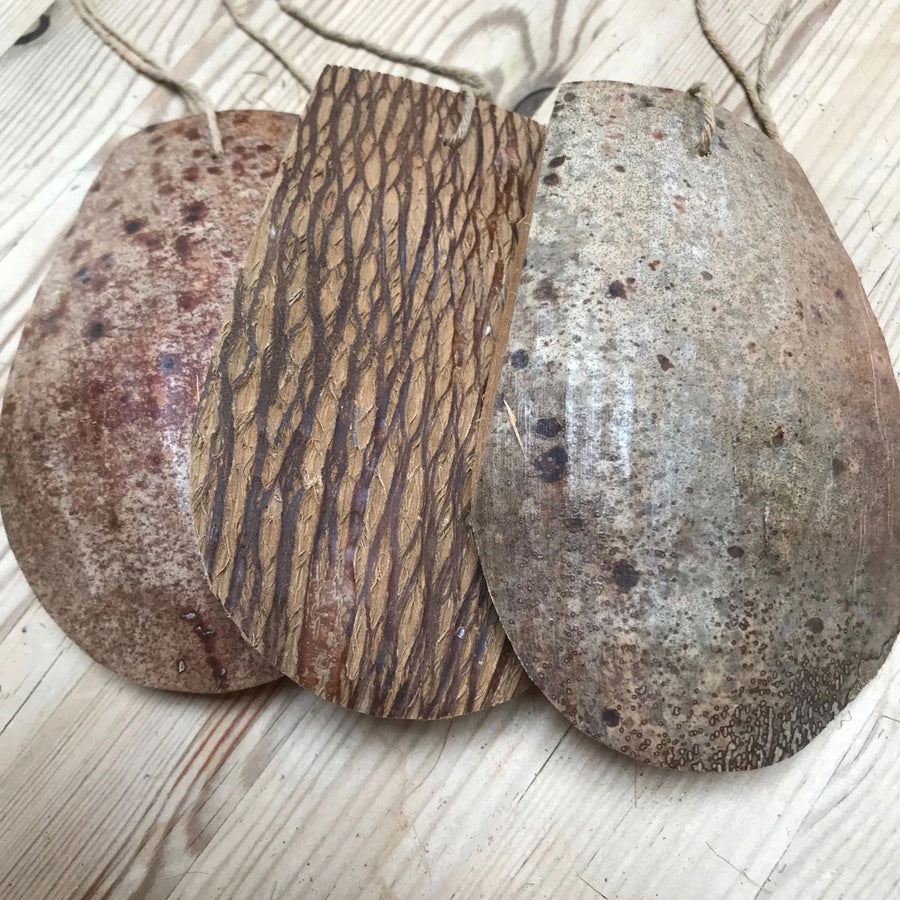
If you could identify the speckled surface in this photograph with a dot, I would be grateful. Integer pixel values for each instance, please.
(95, 426)
(693, 550)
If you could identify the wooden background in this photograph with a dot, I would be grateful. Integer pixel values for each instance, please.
(110, 789)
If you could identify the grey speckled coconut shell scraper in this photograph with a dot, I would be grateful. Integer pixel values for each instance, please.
(688, 503)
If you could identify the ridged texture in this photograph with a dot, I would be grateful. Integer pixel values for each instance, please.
(334, 449)
(694, 549)
(96, 422)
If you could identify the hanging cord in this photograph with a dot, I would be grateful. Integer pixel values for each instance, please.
(773, 32)
(144, 64)
(240, 20)
(756, 94)
(475, 87)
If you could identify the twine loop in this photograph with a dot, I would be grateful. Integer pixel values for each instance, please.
(146, 65)
(474, 86)
(757, 94)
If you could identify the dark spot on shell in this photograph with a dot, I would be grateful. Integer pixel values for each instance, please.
(837, 466)
(183, 246)
(152, 240)
(778, 437)
(665, 362)
(188, 299)
(193, 134)
(214, 170)
(545, 289)
(167, 363)
(610, 718)
(645, 101)
(194, 212)
(519, 359)
(569, 95)
(557, 161)
(654, 264)
(95, 330)
(619, 168)
(630, 281)
(237, 167)
(133, 225)
(659, 134)
(707, 276)
(815, 625)
(263, 148)
(840, 295)
(81, 247)
(616, 289)
(552, 179)
(83, 275)
(551, 465)
(735, 552)
(548, 428)
(625, 575)
(192, 173)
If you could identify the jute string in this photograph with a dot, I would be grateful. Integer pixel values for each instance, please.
(241, 21)
(757, 95)
(475, 87)
(148, 66)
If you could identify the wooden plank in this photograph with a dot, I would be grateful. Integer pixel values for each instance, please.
(492, 805)
(336, 437)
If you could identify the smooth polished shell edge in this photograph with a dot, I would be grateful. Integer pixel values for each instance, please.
(688, 500)
(96, 420)
(334, 447)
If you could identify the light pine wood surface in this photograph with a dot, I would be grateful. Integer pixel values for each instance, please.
(109, 789)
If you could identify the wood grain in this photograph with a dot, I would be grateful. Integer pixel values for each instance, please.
(96, 420)
(689, 532)
(335, 441)
(103, 783)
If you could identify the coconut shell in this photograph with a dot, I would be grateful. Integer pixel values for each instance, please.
(336, 439)
(688, 504)
(96, 420)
